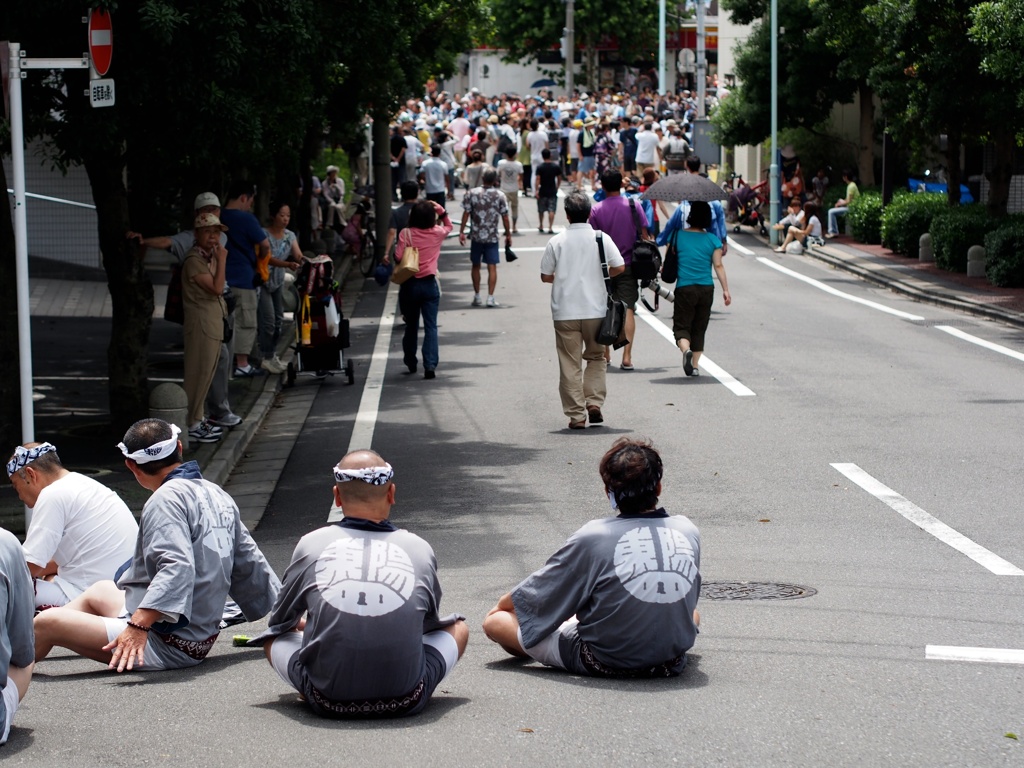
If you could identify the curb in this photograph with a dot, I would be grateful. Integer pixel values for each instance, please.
(898, 286)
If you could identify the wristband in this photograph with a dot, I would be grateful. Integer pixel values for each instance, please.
(133, 625)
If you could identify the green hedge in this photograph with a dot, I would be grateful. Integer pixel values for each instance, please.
(865, 217)
(954, 230)
(1004, 254)
(908, 217)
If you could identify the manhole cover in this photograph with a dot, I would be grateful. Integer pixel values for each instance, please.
(753, 590)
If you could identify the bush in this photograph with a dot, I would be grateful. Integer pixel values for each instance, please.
(907, 217)
(1004, 254)
(866, 218)
(954, 230)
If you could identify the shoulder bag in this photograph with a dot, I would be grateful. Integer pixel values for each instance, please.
(670, 267)
(612, 330)
(646, 262)
(410, 263)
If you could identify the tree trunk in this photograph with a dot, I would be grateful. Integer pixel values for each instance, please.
(10, 389)
(381, 158)
(310, 146)
(954, 173)
(131, 292)
(999, 176)
(866, 148)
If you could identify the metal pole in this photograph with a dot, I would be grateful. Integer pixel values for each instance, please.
(570, 47)
(773, 171)
(28, 431)
(701, 62)
(661, 47)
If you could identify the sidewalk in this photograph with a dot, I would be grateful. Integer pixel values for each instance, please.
(70, 333)
(923, 281)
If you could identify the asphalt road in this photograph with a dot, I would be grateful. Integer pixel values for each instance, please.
(487, 472)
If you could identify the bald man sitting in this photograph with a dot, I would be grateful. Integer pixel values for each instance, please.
(356, 628)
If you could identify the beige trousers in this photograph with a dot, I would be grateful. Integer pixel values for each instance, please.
(201, 357)
(579, 386)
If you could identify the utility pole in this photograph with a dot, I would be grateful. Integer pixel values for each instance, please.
(702, 64)
(570, 47)
(661, 46)
(773, 170)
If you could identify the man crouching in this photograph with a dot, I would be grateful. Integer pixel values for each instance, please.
(619, 599)
(372, 643)
(192, 552)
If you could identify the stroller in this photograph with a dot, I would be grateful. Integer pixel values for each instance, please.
(321, 332)
(745, 203)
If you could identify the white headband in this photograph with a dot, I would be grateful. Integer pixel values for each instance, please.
(156, 451)
(371, 475)
(24, 456)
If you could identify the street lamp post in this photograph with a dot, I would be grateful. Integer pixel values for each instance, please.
(773, 169)
(661, 46)
(570, 47)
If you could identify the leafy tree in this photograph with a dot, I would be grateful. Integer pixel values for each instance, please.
(814, 74)
(526, 28)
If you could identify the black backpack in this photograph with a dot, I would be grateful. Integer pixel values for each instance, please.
(646, 262)
(504, 143)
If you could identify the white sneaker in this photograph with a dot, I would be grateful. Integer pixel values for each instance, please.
(279, 362)
(204, 433)
(492, 302)
(477, 301)
(227, 420)
(270, 366)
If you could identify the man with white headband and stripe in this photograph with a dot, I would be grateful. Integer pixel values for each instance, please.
(81, 531)
(356, 628)
(192, 552)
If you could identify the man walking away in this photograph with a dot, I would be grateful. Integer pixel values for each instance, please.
(549, 175)
(510, 173)
(485, 207)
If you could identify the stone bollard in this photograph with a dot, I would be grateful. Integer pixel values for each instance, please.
(169, 402)
(976, 261)
(925, 252)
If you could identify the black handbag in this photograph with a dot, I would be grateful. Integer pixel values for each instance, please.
(612, 330)
(646, 261)
(670, 267)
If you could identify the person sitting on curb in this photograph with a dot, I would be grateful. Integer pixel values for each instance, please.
(192, 552)
(619, 599)
(16, 641)
(809, 230)
(81, 532)
(356, 628)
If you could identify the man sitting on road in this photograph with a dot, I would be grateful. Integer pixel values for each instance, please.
(16, 646)
(192, 552)
(372, 643)
(81, 532)
(619, 599)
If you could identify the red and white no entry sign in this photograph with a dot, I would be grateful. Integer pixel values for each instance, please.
(101, 41)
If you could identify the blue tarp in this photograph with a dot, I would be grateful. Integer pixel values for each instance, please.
(919, 185)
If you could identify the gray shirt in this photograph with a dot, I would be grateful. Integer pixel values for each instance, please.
(17, 604)
(633, 583)
(192, 552)
(371, 594)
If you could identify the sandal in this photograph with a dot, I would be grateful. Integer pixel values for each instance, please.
(627, 367)
(578, 424)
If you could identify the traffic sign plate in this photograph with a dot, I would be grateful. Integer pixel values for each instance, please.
(101, 93)
(101, 41)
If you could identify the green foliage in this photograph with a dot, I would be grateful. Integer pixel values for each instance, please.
(998, 28)
(954, 230)
(908, 217)
(1004, 254)
(866, 218)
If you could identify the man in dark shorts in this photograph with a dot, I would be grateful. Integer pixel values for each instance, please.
(619, 598)
(372, 644)
(549, 175)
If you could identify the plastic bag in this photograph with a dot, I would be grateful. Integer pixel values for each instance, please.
(332, 317)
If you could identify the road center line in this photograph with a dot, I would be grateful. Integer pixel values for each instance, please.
(981, 342)
(705, 362)
(928, 523)
(829, 289)
(369, 403)
(958, 653)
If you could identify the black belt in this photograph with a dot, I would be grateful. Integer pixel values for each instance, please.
(668, 668)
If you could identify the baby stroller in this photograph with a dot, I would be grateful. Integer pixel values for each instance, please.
(748, 201)
(321, 333)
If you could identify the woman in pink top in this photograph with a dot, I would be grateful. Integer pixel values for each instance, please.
(429, 225)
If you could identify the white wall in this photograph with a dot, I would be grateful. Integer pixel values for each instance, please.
(493, 76)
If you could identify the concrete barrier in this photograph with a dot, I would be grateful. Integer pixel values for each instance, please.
(976, 261)
(925, 252)
(169, 402)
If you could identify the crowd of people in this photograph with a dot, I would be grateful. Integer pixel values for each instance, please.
(354, 624)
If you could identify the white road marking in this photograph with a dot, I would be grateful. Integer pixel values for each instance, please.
(733, 245)
(369, 403)
(928, 523)
(958, 653)
(529, 249)
(981, 342)
(829, 289)
(706, 365)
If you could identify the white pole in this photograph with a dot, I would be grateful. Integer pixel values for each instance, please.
(661, 47)
(28, 431)
(773, 169)
(570, 46)
(702, 79)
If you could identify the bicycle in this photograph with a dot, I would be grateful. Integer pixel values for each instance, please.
(360, 232)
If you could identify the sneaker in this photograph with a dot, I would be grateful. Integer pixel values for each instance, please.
(213, 427)
(477, 301)
(688, 362)
(228, 420)
(204, 433)
(248, 372)
(270, 366)
(492, 302)
(429, 374)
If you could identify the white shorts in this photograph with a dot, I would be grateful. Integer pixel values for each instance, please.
(150, 661)
(11, 701)
(546, 651)
(287, 645)
(51, 593)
